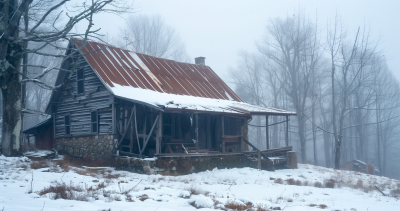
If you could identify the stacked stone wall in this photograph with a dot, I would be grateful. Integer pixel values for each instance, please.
(94, 147)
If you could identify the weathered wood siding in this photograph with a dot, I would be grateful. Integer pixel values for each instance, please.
(95, 97)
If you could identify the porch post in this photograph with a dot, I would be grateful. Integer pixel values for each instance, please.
(241, 136)
(287, 131)
(137, 134)
(159, 134)
(131, 136)
(144, 130)
(223, 134)
(197, 133)
(267, 130)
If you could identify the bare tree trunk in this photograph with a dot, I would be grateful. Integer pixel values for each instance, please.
(11, 91)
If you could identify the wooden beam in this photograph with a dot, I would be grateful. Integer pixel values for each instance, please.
(241, 134)
(197, 133)
(262, 153)
(54, 126)
(159, 134)
(223, 134)
(270, 151)
(137, 135)
(148, 137)
(287, 131)
(267, 130)
(259, 160)
(131, 136)
(144, 131)
(113, 118)
(129, 154)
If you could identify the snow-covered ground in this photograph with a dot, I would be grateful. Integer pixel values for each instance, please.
(21, 188)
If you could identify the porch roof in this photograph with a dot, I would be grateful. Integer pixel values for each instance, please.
(40, 124)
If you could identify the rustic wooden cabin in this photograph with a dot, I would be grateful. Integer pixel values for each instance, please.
(114, 102)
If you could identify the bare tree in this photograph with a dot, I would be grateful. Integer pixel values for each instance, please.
(14, 44)
(151, 35)
(249, 80)
(292, 45)
(350, 57)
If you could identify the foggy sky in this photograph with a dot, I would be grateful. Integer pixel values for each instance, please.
(217, 30)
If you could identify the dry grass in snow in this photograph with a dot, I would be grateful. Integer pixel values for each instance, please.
(60, 185)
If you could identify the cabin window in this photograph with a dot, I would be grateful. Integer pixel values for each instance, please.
(80, 81)
(67, 123)
(94, 121)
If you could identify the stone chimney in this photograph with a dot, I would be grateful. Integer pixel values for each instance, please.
(200, 60)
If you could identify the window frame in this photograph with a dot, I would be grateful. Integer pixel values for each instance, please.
(79, 80)
(94, 122)
(69, 125)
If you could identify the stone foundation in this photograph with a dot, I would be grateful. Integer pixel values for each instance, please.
(185, 166)
(94, 147)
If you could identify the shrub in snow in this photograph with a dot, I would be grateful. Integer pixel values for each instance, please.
(330, 183)
(317, 184)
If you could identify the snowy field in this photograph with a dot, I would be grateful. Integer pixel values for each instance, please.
(25, 185)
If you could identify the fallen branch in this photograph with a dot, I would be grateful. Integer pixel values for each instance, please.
(379, 190)
(132, 188)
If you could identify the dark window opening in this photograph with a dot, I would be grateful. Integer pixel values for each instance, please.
(80, 81)
(232, 126)
(67, 123)
(94, 121)
(167, 124)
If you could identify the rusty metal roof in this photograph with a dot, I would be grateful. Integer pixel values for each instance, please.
(127, 68)
(171, 84)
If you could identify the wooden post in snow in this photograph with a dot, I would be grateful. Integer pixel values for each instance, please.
(259, 159)
(197, 133)
(267, 130)
(223, 134)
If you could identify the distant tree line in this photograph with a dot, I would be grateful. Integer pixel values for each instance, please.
(337, 81)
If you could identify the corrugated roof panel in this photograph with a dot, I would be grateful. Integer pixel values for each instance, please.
(158, 81)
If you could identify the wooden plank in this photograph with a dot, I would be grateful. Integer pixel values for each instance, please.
(197, 133)
(287, 131)
(129, 154)
(241, 136)
(137, 134)
(131, 136)
(223, 134)
(283, 149)
(159, 134)
(144, 132)
(267, 130)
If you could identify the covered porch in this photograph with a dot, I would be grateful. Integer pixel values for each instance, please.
(174, 132)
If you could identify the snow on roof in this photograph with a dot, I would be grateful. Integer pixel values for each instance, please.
(159, 82)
